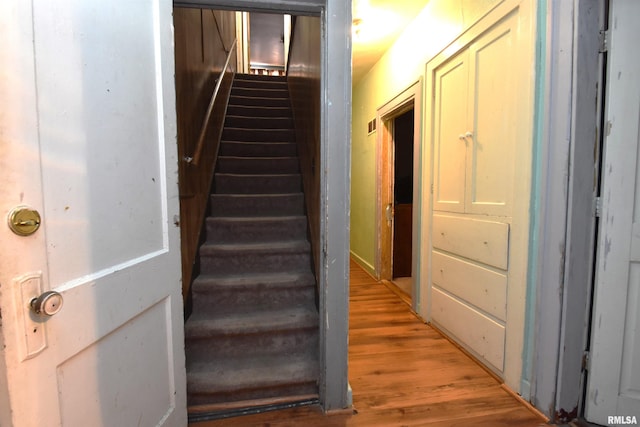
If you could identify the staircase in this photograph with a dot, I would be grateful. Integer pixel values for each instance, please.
(252, 338)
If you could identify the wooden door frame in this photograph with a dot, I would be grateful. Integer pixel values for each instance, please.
(410, 98)
(553, 373)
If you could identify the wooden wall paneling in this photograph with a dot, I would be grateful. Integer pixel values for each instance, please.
(479, 240)
(478, 285)
(199, 57)
(304, 85)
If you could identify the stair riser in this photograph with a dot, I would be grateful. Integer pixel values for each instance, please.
(258, 205)
(223, 230)
(230, 300)
(257, 184)
(261, 102)
(258, 111)
(239, 263)
(265, 392)
(266, 344)
(258, 135)
(249, 165)
(261, 92)
(261, 84)
(259, 78)
(258, 122)
(257, 149)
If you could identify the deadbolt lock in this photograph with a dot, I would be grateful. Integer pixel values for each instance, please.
(24, 221)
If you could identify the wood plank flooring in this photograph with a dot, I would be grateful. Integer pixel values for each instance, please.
(403, 373)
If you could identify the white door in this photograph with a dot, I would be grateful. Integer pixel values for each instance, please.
(88, 139)
(614, 376)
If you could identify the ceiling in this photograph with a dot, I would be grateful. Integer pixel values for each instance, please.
(377, 24)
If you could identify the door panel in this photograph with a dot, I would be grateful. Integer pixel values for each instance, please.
(492, 93)
(105, 50)
(103, 377)
(402, 235)
(614, 375)
(450, 124)
(90, 143)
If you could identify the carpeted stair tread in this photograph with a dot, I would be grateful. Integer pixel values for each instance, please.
(242, 134)
(229, 183)
(256, 100)
(258, 111)
(252, 372)
(242, 378)
(271, 257)
(255, 229)
(242, 80)
(278, 280)
(257, 204)
(257, 149)
(257, 248)
(261, 92)
(252, 322)
(257, 165)
(237, 121)
(270, 291)
(259, 78)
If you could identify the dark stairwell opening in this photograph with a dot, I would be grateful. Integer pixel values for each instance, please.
(249, 221)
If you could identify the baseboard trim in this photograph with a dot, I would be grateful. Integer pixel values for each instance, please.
(528, 405)
(365, 265)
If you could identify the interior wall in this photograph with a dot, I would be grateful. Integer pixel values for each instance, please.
(304, 74)
(437, 25)
(202, 40)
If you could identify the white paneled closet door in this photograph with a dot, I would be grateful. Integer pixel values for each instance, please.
(481, 134)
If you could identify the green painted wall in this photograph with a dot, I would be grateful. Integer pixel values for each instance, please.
(439, 24)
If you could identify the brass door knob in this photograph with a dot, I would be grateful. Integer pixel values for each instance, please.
(24, 221)
(47, 304)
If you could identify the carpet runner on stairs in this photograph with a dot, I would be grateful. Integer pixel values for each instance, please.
(252, 337)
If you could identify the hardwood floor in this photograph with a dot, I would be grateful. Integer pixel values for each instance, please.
(403, 373)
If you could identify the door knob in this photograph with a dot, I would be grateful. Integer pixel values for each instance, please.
(47, 304)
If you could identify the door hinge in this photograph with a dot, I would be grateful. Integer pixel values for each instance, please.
(604, 41)
(597, 209)
(586, 361)
(431, 188)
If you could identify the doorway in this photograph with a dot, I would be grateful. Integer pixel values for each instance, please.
(333, 122)
(398, 154)
(402, 201)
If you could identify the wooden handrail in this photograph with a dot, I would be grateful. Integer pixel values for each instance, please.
(205, 123)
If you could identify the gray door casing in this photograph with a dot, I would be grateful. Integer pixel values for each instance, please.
(335, 137)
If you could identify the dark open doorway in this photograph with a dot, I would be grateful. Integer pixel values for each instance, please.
(403, 194)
